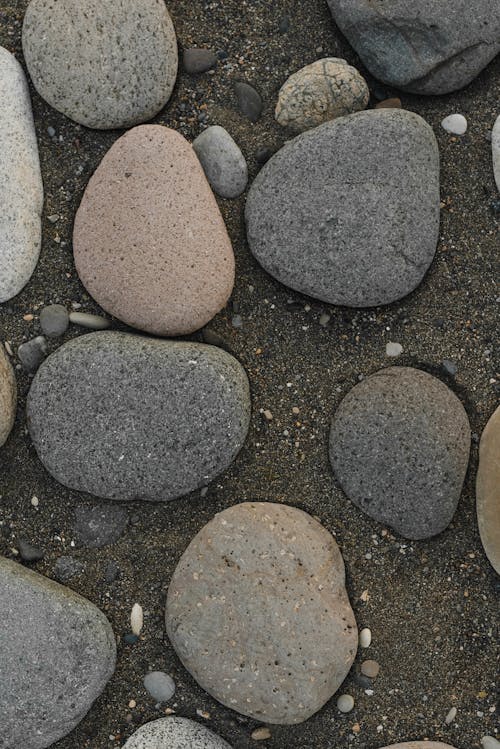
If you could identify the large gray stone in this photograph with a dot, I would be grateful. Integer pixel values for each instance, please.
(495, 150)
(103, 63)
(488, 490)
(422, 46)
(222, 161)
(8, 396)
(349, 212)
(126, 417)
(258, 612)
(175, 733)
(21, 189)
(57, 651)
(399, 447)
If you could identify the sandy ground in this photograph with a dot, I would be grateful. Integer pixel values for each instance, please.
(432, 606)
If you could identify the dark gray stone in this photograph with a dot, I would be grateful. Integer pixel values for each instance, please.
(57, 653)
(126, 417)
(67, 567)
(249, 100)
(103, 63)
(275, 635)
(28, 552)
(399, 447)
(198, 60)
(32, 353)
(222, 161)
(422, 46)
(175, 733)
(349, 212)
(112, 572)
(54, 320)
(99, 526)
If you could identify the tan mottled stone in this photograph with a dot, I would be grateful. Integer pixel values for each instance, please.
(8, 396)
(488, 490)
(150, 244)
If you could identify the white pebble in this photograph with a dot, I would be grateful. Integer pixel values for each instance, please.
(451, 716)
(34, 501)
(490, 742)
(345, 703)
(136, 619)
(393, 349)
(455, 123)
(365, 638)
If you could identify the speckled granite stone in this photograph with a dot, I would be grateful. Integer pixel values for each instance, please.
(222, 161)
(150, 244)
(488, 490)
(175, 733)
(258, 612)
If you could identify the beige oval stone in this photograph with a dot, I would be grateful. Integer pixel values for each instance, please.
(420, 745)
(488, 490)
(258, 612)
(8, 396)
(150, 244)
(320, 92)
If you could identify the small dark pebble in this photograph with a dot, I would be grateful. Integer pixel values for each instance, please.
(198, 60)
(99, 526)
(112, 571)
(363, 681)
(264, 154)
(29, 553)
(249, 100)
(284, 25)
(380, 93)
(495, 207)
(294, 306)
(66, 567)
(222, 54)
(32, 353)
(449, 367)
(130, 639)
(214, 339)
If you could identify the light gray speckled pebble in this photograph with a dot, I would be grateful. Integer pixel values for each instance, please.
(67, 567)
(222, 161)
(8, 396)
(57, 653)
(92, 322)
(319, 92)
(175, 733)
(103, 63)
(21, 189)
(126, 417)
(54, 320)
(490, 742)
(258, 612)
(160, 686)
(349, 212)
(32, 353)
(399, 447)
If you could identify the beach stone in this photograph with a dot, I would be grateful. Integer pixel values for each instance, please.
(160, 686)
(345, 703)
(8, 396)
(488, 490)
(102, 525)
(175, 733)
(249, 100)
(348, 213)
(92, 322)
(421, 46)
(67, 567)
(399, 447)
(495, 147)
(161, 264)
(32, 353)
(58, 651)
(370, 669)
(125, 417)
(198, 60)
(420, 745)
(54, 320)
(319, 92)
(258, 577)
(21, 188)
(222, 161)
(103, 63)
(455, 124)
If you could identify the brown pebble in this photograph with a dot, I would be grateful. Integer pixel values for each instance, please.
(261, 734)
(370, 669)
(393, 103)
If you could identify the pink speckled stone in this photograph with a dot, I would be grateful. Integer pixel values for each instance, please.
(150, 244)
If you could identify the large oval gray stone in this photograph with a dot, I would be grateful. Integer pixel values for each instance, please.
(422, 46)
(399, 447)
(8, 396)
(175, 733)
(488, 490)
(349, 212)
(57, 651)
(258, 612)
(126, 417)
(21, 188)
(495, 151)
(103, 63)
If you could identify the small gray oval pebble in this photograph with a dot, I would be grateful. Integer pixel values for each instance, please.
(222, 161)
(54, 320)
(86, 320)
(490, 742)
(160, 686)
(345, 703)
(32, 353)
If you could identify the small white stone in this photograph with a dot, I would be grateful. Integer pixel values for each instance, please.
(345, 703)
(34, 501)
(393, 349)
(451, 716)
(136, 619)
(455, 123)
(365, 638)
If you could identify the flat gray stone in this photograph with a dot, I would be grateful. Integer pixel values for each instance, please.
(95, 527)
(66, 568)
(175, 733)
(126, 417)
(422, 46)
(160, 686)
(488, 490)
(8, 396)
(348, 213)
(495, 149)
(320, 92)
(57, 653)
(54, 320)
(21, 188)
(399, 447)
(222, 161)
(249, 100)
(258, 612)
(103, 63)
(32, 353)
(197, 60)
